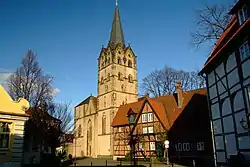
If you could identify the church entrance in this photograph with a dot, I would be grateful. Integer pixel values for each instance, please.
(89, 138)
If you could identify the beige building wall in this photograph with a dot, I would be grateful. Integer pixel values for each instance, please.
(117, 85)
(86, 130)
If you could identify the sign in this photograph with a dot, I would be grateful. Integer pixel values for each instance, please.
(166, 144)
(186, 147)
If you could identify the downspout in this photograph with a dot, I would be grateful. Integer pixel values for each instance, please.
(211, 125)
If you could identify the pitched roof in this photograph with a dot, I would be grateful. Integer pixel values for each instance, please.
(86, 101)
(227, 36)
(116, 35)
(165, 107)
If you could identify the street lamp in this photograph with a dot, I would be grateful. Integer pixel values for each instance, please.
(166, 145)
(244, 124)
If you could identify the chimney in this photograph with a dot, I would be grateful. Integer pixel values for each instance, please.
(179, 94)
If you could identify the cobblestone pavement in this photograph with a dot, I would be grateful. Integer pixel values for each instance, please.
(110, 162)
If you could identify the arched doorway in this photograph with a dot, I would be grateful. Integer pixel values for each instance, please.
(89, 138)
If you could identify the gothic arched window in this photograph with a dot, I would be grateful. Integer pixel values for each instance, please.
(120, 76)
(130, 78)
(79, 131)
(119, 60)
(108, 78)
(129, 63)
(102, 80)
(103, 123)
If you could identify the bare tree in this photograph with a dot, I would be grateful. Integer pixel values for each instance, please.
(211, 21)
(162, 82)
(29, 82)
(49, 120)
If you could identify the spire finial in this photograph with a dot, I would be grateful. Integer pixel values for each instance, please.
(116, 2)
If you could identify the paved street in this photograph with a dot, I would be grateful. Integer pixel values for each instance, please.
(102, 162)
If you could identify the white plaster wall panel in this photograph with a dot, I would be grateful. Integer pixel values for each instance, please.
(219, 144)
(233, 78)
(211, 78)
(222, 86)
(231, 62)
(246, 68)
(238, 117)
(230, 142)
(221, 157)
(217, 126)
(220, 71)
(244, 142)
(212, 92)
(215, 111)
(226, 107)
(235, 88)
(228, 124)
(238, 101)
(246, 82)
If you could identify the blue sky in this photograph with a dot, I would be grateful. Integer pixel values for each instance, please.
(67, 36)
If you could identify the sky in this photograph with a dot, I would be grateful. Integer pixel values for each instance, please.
(67, 36)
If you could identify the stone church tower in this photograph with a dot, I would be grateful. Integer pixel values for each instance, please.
(117, 83)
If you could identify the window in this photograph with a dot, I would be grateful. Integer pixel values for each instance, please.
(130, 79)
(108, 77)
(79, 131)
(119, 60)
(4, 134)
(248, 94)
(144, 130)
(152, 146)
(144, 118)
(103, 123)
(130, 63)
(151, 129)
(242, 14)
(141, 146)
(244, 50)
(120, 76)
(124, 60)
(102, 80)
(150, 117)
(131, 119)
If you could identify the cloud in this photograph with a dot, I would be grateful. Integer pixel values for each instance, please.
(55, 91)
(4, 75)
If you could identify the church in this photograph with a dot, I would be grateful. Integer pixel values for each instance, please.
(117, 85)
(104, 125)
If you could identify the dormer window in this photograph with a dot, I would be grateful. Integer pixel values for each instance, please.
(131, 119)
(242, 14)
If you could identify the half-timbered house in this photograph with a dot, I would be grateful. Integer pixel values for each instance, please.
(227, 73)
(180, 117)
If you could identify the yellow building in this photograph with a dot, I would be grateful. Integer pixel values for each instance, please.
(117, 85)
(12, 121)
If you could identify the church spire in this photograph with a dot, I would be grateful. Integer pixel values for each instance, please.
(116, 35)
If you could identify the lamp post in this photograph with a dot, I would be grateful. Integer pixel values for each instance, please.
(245, 124)
(166, 145)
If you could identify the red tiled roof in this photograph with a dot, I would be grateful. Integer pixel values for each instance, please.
(165, 107)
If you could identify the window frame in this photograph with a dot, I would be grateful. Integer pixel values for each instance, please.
(11, 124)
(149, 131)
(244, 15)
(245, 55)
(144, 131)
(152, 143)
(144, 117)
(150, 115)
